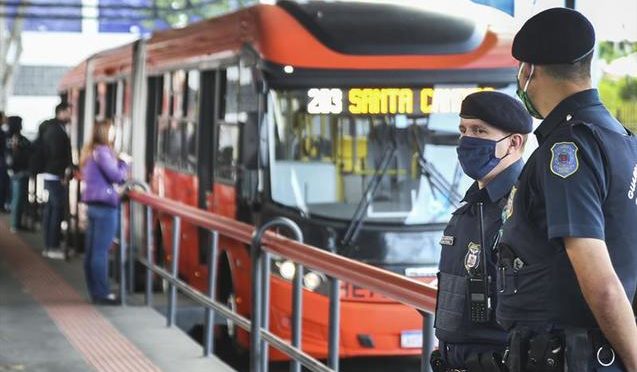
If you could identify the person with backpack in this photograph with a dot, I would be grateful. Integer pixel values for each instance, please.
(18, 152)
(5, 189)
(52, 158)
(101, 170)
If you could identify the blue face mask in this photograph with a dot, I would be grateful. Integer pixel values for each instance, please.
(477, 156)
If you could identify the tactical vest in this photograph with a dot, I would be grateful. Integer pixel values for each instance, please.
(539, 288)
(459, 253)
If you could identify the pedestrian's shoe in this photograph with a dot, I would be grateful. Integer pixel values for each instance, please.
(55, 254)
(109, 300)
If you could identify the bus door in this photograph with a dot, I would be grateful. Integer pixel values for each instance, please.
(209, 107)
(234, 189)
(153, 109)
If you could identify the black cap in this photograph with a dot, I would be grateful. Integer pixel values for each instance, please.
(554, 36)
(499, 110)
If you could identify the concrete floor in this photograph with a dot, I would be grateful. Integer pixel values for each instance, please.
(31, 341)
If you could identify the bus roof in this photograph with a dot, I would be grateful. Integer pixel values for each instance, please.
(328, 35)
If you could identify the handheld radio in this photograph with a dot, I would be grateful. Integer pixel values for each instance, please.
(478, 283)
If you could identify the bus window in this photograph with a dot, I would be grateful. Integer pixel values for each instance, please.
(227, 152)
(329, 145)
(192, 96)
(231, 103)
(190, 147)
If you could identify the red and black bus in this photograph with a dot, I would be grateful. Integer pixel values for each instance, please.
(341, 115)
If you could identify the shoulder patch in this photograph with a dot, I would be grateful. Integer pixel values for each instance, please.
(564, 160)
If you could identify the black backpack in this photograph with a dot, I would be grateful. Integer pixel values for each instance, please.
(21, 155)
(37, 160)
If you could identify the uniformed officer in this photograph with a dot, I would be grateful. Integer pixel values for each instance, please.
(493, 129)
(568, 253)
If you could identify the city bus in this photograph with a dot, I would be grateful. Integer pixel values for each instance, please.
(340, 115)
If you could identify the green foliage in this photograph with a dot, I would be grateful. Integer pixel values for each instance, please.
(609, 50)
(620, 97)
(183, 12)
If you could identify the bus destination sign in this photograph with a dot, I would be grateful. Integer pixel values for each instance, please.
(383, 101)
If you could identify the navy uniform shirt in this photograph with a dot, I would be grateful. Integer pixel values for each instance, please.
(576, 184)
(459, 255)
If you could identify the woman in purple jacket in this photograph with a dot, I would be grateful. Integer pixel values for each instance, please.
(101, 170)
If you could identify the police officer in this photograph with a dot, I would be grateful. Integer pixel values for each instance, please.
(568, 253)
(493, 129)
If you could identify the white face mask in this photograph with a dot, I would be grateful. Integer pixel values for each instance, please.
(5, 127)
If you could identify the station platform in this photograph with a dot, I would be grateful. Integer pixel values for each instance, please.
(47, 322)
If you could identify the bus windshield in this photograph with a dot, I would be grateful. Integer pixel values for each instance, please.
(391, 151)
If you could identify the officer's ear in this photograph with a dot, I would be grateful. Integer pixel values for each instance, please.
(517, 142)
(524, 73)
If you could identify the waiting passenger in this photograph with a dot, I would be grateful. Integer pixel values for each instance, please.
(101, 170)
(5, 187)
(52, 158)
(18, 154)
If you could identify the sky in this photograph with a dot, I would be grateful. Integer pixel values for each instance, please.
(614, 20)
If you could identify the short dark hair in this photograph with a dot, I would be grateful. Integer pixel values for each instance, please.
(578, 71)
(15, 124)
(61, 107)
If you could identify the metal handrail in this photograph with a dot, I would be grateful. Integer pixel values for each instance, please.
(399, 288)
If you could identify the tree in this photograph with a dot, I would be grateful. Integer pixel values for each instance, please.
(10, 50)
(184, 12)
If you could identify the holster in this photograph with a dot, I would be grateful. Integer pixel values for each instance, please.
(437, 362)
(516, 354)
(579, 349)
(546, 353)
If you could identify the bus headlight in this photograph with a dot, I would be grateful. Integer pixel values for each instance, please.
(287, 269)
(312, 280)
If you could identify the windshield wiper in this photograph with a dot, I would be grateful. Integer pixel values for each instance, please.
(356, 223)
(435, 179)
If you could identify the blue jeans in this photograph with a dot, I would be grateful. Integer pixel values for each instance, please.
(102, 225)
(19, 190)
(53, 213)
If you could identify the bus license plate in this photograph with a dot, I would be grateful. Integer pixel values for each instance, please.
(410, 339)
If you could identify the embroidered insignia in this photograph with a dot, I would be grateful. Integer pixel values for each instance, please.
(507, 212)
(564, 160)
(447, 240)
(472, 258)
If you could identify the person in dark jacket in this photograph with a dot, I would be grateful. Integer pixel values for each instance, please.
(101, 170)
(5, 187)
(18, 152)
(55, 148)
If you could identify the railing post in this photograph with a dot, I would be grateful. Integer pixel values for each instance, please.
(260, 259)
(149, 256)
(209, 336)
(297, 308)
(335, 320)
(255, 326)
(172, 290)
(122, 255)
(131, 249)
(265, 306)
(427, 341)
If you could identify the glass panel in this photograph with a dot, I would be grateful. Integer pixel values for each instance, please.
(190, 160)
(174, 143)
(232, 95)
(227, 152)
(333, 149)
(192, 106)
(178, 91)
